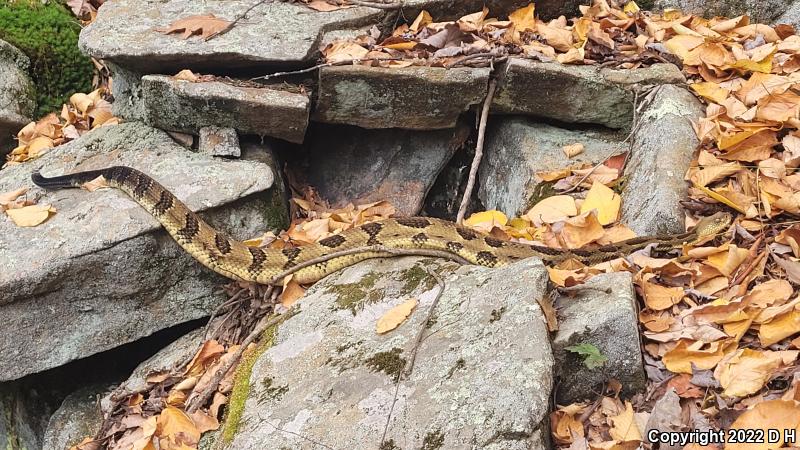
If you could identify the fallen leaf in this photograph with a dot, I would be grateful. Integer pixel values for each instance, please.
(605, 201)
(206, 25)
(30, 216)
(770, 414)
(624, 427)
(552, 209)
(746, 371)
(395, 316)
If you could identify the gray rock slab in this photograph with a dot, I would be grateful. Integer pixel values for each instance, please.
(350, 164)
(274, 33)
(662, 151)
(77, 417)
(517, 147)
(481, 377)
(23, 417)
(17, 99)
(760, 11)
(101, 272)
(216, 141)
(602, 313)
(576, 94)
(188, 107)
(791, 16)
(417, 98)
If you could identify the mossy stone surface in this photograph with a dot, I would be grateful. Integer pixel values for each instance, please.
(48, 34)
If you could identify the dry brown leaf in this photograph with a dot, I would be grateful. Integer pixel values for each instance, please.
(395, 316)
(771, 414)
(30, 216)
(572, 149)
(206, 25)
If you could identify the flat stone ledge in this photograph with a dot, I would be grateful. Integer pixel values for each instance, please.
(576, 94)
(101, 272)
(602, 313)
(417, 98)
(274, 33)
(187, 106)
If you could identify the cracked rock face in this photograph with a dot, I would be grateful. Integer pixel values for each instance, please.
(101, 272)
(481, 378)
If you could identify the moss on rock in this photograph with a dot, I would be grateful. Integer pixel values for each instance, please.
(48, 34)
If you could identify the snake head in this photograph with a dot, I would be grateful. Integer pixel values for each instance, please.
(713, 225)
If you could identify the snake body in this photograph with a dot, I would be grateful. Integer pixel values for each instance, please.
(238, 261)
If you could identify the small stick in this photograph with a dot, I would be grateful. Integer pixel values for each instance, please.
(418, 340)
(476, 161)
(203, 396)
(319, 66)
(376, 5)
(230, 26)
(375, 249)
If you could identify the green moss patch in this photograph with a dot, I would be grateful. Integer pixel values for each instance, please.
(354, 296)
(390, 363)
(48, 34)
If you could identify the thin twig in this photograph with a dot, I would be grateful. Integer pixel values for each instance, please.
(202, 397)
(376, 5)
(476, 160)
(230, 26)
(345, 62)
(410, 364)
(381, 249)
(634, 128)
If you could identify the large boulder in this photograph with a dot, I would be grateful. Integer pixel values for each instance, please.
(350, 164)
(481, 378)
(102, 272)
(518, 147)
(17, 95)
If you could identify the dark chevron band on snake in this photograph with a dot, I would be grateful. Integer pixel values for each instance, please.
(238, 261)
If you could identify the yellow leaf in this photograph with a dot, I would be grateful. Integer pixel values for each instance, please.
(746, 371)
(422, 20)
(605, 201)
(779, 107)
(658, 297)
(486, 220)
(30, 216)
(711, 91)
(174, 425)
(780, 327)
(343, 51)
(774, 414)
(624, 426)
(681, 45)
(710, 174)
(523, 19)
(395, 316)
(631, 8)
(81, 102)
(552, 209)
(186, 75)
(687, 353)
(39, 146)
(727, 262)
(292, 291)
(401, 45)
(581, 230)
(720, 198)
